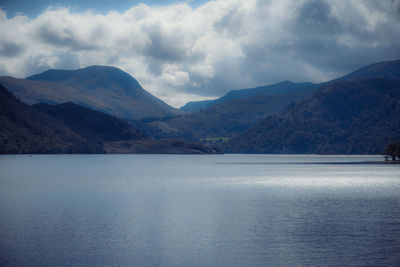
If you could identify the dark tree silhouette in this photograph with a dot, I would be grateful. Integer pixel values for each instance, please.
(393, 151)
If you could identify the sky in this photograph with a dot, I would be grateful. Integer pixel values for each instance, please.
(192, 50)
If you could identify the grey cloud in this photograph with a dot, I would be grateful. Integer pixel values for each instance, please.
(228, 76)
(8, 49)
(154, 66)
(317, 34)
(63, 38)
(164, 47)
(315, 15)
(231, 23)
(308, 50)
(37, 64)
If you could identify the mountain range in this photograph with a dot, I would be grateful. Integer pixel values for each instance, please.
(71, 128)
(239, 110)
(354, 114)
(344, 117)
(235, 112)
(102, 109)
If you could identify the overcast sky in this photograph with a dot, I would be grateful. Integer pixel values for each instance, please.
(190, 50)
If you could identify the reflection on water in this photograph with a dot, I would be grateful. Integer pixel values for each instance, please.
(198, 210)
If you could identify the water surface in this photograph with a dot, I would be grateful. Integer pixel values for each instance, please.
(214, 210)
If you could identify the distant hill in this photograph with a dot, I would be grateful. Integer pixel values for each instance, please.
(281, 88)
(342, 117)
(26, 130)
(238, 110)
(195, 106)
(102, 88)
(270, 90)
(231, 116)
(387, 69)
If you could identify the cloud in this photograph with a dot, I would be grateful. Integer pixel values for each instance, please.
(8, 49)
(181, 53)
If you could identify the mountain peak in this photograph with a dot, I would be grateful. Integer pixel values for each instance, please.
(88, 73)
(104, 88)
(286, 82)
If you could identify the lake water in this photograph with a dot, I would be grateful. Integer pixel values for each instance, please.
(190, 210)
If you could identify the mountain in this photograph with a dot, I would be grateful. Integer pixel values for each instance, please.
(90, 123)
(273, 89)
(231, 114)
(342, 117)
(281, 88)
(74, 129)
(115, 135)
(23, 129)
(195, 106)
(102, 88)
(387, 69)
(229, 117)
(238, 110)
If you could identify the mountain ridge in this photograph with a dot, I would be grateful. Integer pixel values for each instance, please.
(73, 129)
(374, 70)
(104, 88)
(25, 130)
(384, 69)
(343, 117)
(280, 88)
(229, 117)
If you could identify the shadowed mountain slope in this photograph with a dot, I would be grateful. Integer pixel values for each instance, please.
(116, 135)
(26, 130)
(240, 109)
(90, 123)
(195, 106)
(230, 117)
(281, 88)
(70, 128)
(343, 117)
(102, 88)
(388, 69)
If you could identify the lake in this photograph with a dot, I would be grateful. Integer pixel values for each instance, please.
(198, 210)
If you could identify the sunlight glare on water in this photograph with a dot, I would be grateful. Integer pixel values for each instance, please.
(213, 210)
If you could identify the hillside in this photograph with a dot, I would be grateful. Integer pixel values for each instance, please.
(194, 106)
(90, 123)
(115, 135)
(102, 88)
(281, 88)
(238, 110)
(388, 69)
(343, 117)
(229, 117)
(26, 130)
